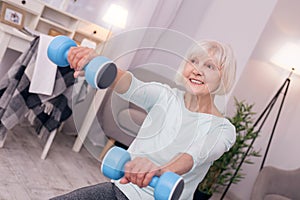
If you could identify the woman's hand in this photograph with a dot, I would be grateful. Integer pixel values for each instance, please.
(140, 171)
(78, 57)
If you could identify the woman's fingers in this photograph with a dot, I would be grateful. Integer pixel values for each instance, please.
(139, 171)
(124, 180)
(78, 73)
(73, 57)
(148, 177)
(145, 175)
(128, 175)
(78, 57)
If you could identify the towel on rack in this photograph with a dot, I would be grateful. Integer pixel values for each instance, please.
(43, 77)
(45, 112)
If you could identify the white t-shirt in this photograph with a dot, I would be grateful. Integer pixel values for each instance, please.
(169, 129)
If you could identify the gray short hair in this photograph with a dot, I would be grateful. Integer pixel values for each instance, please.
(224, 56)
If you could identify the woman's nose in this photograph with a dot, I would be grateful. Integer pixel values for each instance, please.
(197, 72)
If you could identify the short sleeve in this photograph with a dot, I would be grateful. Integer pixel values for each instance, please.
(211, 147)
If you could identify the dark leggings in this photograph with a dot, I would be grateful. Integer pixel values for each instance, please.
(100, 191)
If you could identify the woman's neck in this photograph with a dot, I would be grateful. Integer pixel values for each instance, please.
(202, 104)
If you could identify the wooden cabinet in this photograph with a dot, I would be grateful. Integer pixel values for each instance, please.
(47, 19)
(91, 32)
(52, 19)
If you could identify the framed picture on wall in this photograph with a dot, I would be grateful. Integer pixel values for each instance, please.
(12, 16)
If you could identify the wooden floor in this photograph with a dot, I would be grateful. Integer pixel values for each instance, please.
(24, 176)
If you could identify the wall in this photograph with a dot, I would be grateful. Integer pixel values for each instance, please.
(258, 84)
(234, 22)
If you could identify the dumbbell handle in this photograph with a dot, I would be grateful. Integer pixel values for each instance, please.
(153, 181)
(66, 55)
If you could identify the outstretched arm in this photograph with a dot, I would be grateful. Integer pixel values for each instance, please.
(78, 57)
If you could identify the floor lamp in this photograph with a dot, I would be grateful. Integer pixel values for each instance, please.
(282, 60)
(114, 16)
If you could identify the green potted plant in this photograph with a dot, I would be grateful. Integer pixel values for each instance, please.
(223, 169)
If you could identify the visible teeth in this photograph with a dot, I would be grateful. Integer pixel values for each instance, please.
(196, 81)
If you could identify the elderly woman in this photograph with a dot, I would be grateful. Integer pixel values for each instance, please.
(188, 134)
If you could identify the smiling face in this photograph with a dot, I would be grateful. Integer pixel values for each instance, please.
(201, 75)
(208, 68)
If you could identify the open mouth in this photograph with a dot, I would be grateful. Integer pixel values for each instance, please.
(195, 81)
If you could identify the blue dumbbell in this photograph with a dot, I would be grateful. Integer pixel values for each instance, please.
(100, 72)
(167, 186)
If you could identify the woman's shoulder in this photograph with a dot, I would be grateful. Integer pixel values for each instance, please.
(224, 121)
(223, 124)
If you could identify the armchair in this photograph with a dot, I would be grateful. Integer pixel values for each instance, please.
(276, 184)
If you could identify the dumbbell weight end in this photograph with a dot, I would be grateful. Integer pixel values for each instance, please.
(168, 186)
(100, 72)
(58, 50)
(113, 163)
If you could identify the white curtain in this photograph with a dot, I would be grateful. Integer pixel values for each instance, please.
(178, 21)
(163, 17)
(158, 33)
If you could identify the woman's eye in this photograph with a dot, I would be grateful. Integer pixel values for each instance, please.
(210, 66)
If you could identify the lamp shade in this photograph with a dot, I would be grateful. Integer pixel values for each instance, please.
(288, 57)
(116, 16)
